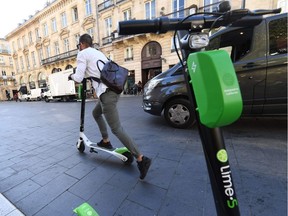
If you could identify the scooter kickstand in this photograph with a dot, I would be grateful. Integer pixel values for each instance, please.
(92, 150)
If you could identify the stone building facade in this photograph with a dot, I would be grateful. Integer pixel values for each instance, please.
(46, 42)
(7, 74)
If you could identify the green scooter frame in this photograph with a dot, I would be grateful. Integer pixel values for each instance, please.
(122, 153)
(216, 96)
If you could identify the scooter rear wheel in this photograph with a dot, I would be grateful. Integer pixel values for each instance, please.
(130, 158)
(81, 147)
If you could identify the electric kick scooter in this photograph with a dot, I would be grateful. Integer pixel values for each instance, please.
(212, 85)
(122, 153)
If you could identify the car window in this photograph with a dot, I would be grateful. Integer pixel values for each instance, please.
(237, 43)
(278, 36)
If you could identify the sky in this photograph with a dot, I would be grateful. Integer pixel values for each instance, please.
(13, 12)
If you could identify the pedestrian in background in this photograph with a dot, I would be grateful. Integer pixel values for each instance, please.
(139, 87)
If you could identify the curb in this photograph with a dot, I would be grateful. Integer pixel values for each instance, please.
(7, 208)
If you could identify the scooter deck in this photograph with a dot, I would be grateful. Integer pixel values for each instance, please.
(94, 145)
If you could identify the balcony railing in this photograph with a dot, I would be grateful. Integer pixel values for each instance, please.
(4, 51)
(105, 5)
(63, 56)
(113, 37)
(119, 1)
(60, 57)
(107, 40)
(128, 59)
(8, 78)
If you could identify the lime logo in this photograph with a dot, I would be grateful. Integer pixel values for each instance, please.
(222, 156)
(193, 67)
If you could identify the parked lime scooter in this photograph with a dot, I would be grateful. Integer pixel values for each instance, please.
(212, 86)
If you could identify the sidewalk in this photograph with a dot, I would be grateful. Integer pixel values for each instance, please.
(43, 174)
(7, 208)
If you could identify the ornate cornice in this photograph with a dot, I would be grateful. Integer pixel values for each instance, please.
(46, 41)
(25, 51)
(64, 33)
(88, 21)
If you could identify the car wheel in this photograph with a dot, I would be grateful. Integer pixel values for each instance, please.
(178, 113)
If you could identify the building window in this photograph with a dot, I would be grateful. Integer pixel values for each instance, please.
(66, 45)
(56, 48)
(17, 65)
(2, 60)
(128, 54)
(151, 50)
(77, 36)
(40, 54)
(19, 43)
(33, 58)
(108, 26)
(90, 32)
(127, 14)
(22, 63)
(10, 61)
(88, 7)
(45, 29)
(75, 14)
(24, 41)
(48, 52)
(212, 7)
(150, 9)
(54, 25)
(178, 8)
(13, 46)
(27, 62)
(63, 20)
(30, 37)
(37, 34)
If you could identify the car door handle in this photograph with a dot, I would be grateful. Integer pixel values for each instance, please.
(250, 65)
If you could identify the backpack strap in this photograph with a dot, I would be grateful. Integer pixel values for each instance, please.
(97, 63)
(95, 79)
(101, 61)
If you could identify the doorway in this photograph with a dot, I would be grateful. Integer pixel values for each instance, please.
(151, 63)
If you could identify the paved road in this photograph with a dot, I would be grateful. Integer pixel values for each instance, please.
(42, 173)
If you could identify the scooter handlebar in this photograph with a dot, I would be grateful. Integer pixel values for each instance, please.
(158, 25)
(240, 17)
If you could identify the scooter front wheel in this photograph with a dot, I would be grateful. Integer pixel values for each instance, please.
(81, 146)
(129, 156)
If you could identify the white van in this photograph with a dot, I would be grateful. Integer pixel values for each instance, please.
(60, 88)
(35, 94)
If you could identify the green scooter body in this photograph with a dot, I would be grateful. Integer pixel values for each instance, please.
(216, 88)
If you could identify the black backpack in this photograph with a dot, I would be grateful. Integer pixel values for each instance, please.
(113, 75)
